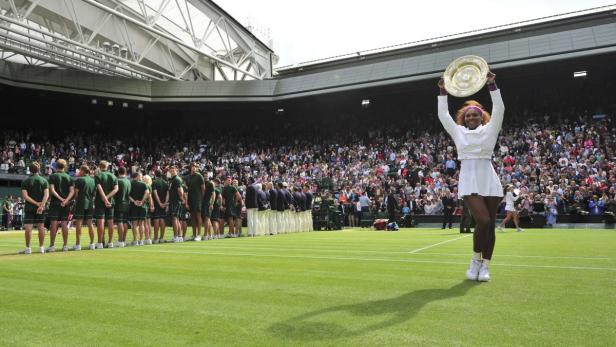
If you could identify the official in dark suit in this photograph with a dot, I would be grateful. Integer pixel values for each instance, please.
(449, 206)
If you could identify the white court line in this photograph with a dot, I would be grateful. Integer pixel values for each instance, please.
(284, 248)
(437, 244)
(252, 247)
(369, 259)
(217, 245)
(526, 256)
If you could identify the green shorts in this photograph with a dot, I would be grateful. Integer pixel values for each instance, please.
(215, 213)
(31, 217)
(103, 212)
(159, 213)
(205, 210)
(120, 216)
(137, 212)
(82, 213)
(58, 213)
(231, 213)
(174, 210)
(194, 207)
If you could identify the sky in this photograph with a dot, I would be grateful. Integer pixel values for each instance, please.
(306, 30)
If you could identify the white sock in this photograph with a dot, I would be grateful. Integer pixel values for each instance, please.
(486, 262)
(477, 256)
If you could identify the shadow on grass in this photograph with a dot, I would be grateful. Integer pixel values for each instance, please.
(317, 325)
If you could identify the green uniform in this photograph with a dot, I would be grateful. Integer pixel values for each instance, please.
(228, 194)
(195, 195)
(62, 184)
(217, 202)
(122, 203)
(108, 181)
(137, 192)
(160, 187)
(209, 191)
(35, 185)
(174, 198)
(84, 202)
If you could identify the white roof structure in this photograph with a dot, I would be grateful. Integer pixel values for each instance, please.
(435, 41)
(154, 40)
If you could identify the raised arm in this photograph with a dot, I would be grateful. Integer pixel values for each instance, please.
(443, 111)
(498, 107)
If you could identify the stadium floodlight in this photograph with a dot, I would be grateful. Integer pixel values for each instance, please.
(109, 102)
(140, 106)
(94, 101)
(280, 111)
(365, 103)
(579, 74)
(125, 104)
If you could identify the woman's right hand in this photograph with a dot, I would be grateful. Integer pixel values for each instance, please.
(491, 77)
(441, 83)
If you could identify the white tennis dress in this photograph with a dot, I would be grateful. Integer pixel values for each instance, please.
(475, 148)
(509, 202)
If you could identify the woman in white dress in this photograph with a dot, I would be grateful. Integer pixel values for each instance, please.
(512, 214)
(475, 133)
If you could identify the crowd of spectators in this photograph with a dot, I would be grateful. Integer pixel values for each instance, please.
(568, 167)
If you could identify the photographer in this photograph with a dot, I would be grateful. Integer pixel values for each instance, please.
(18, 214)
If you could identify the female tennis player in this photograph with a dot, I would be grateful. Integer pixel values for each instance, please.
(475, 133)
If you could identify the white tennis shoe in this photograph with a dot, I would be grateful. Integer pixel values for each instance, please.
(484, 273)
(473, 270)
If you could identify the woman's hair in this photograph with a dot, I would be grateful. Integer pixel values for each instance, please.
(462, 111)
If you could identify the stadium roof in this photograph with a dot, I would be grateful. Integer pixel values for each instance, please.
(154, 40)
(433, 42)
(564, 37)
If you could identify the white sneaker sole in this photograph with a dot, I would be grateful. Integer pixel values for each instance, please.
(472, 277)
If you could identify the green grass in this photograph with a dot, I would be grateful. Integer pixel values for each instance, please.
(344, 288)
